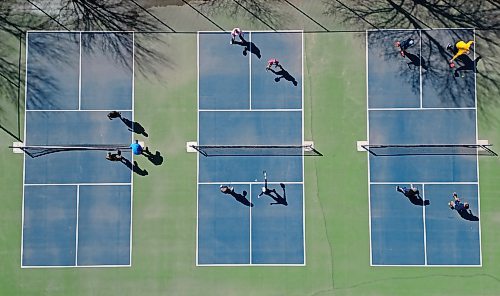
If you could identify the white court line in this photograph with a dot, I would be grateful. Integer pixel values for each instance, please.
(80, 75)
(77, 31)
(368, 154)
(251, 110)
(426, 183)
(25, 141)
(303, 158)
(78, 184)
(132, 157)
(72, 266)
(197, 140)
(250, 69)
(477, 155)
(421, 265)
(250, 232)
(429, 29)
(420, 69)
(76, 110)
(248, 182)
(249, 265)
(77, 218)
(425, 228)
(421, 108)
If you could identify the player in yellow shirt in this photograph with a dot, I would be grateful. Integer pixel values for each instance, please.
(459, 49)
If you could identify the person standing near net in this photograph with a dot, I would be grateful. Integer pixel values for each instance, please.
(265, 189)
(457, 204)
(137, 149)
(114, 156)
(460, 48)
(226, 189)
(236, 32)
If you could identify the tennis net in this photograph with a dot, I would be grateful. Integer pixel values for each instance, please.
(256, 150)
(37, 151)
(430, 149)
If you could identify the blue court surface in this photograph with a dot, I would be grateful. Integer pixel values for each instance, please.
(77, 206)
(417, 99)
(240, 103)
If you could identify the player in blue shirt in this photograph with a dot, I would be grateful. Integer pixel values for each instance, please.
(136, 148)
(456, 204)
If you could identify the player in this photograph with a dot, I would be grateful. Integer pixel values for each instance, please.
(457, 204)
(459, 49)
(226, 189)
(265, 189)
(403, 46)
(273, 62)
(236, 32)
(114, 156)
(114, 114)
(409, 192)
(137, 149)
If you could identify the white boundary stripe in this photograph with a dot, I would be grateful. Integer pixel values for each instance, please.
(420, 68)
(80, 184)
(25, 141)
(197, 140)
(430, 29)
(76, 110)
(426, 183)
(425, 228)
(250, 75)
(77, 218)
(425, 266)
(254, 31)
(368, 154)
(71, 266)
(249, 182)
(421, 109)
(132, 157)
(80, 75)
(250, 232)
(250, 265)
(77, 31)
(250, 110)
(477, 155)
(303, 158)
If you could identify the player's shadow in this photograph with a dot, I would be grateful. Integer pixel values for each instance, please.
(467, 215)
(134, 126)
(418, 201)
(415, 61)
(278, 199)
(134, 167)
(241, 198)
(156, 158)
(248, 47)
(282, 73)
(468, 64)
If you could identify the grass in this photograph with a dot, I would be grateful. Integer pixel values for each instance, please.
(164, 209)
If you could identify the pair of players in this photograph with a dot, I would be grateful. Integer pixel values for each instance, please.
(460, 48)
(238, 33)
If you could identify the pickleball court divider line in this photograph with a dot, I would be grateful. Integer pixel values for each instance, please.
(77, 218)
(425, 228)
(368, 154)
(477, 155)
(197, 141)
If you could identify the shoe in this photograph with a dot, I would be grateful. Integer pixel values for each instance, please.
(448, 47)
(398, 188)
(231, 41)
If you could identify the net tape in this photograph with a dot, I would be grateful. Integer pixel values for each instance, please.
(256, 150)
(430, 149)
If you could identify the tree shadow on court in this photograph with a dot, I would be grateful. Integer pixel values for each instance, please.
(481, 15)
(278, 199)
(156, 158)
(134, 126)
(134, 167)
(467, 215)
(241, 198)
(248, 47)
(282, 73)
